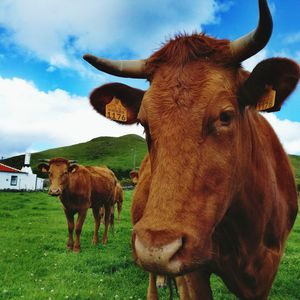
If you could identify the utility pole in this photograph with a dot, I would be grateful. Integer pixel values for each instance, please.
(134, 158)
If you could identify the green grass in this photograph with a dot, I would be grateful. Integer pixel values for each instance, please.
(34, 262)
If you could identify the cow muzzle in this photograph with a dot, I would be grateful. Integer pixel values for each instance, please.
(160, 259)
(54, 191)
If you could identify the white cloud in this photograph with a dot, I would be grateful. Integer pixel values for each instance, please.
(30, 118)
(287, 131)
(60, 31)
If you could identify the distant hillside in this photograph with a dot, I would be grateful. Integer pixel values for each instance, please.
(296, 164)
(118, 153)
(121, 154)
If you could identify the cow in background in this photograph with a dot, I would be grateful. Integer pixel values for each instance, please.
(118, 200)
(217, 193)
(80, 188)
(134, 175)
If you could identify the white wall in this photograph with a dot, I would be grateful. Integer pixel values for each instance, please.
(39, 183)
(24, 181)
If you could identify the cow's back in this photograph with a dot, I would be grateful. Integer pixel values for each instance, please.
(103, 182)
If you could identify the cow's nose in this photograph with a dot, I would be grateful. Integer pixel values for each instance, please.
(161, 259)
(54, 191)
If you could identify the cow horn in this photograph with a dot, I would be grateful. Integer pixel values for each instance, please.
(44, 160)
(121, 68)
(72, 161)
(256, 40)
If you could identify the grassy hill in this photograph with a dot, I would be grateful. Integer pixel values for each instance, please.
(296, 164)
(121, 154)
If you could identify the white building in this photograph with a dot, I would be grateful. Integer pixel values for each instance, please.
(24, 179)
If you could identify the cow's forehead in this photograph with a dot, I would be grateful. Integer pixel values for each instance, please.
(58, 165)
(188, 89)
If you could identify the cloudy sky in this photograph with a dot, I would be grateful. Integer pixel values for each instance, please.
(44, 83)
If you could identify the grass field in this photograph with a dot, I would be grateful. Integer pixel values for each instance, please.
(34, 263)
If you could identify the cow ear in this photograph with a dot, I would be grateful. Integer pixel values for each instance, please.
(129, 97)
(274, 77)
(43, 167)
(73, 168)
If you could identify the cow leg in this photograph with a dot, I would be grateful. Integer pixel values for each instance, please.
(107, 217)
(112, 218)
(182, 288)
(152, 289)
(78, 228)
(96, 213)
(70, 221)
(119, 206)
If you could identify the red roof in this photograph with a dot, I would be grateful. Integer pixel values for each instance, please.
(5, 168)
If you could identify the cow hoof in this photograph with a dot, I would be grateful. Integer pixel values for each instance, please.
(95, 242)
(76, 249)
(104, 241)
(70, 247)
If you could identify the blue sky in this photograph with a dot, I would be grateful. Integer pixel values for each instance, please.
(44, 83)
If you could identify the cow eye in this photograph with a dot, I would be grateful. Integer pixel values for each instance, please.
(226, 117)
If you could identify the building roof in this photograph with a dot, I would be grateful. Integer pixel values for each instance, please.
(5, 168)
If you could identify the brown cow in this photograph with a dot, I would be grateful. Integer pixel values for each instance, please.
(118, 199)
(80, 188)
(134, 175)
(233, 211)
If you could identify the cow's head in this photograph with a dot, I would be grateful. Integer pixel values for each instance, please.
(58, 170)
(134, 175)
(196, 114)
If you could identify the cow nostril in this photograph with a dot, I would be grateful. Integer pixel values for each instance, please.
(54, 192)
(161, 258)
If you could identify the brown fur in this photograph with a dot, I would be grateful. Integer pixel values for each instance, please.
(80, 188)
(118, 199)
(184, 49)
(134, 175)
(216, 176)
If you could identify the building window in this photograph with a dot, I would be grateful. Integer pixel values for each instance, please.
(14, 180)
